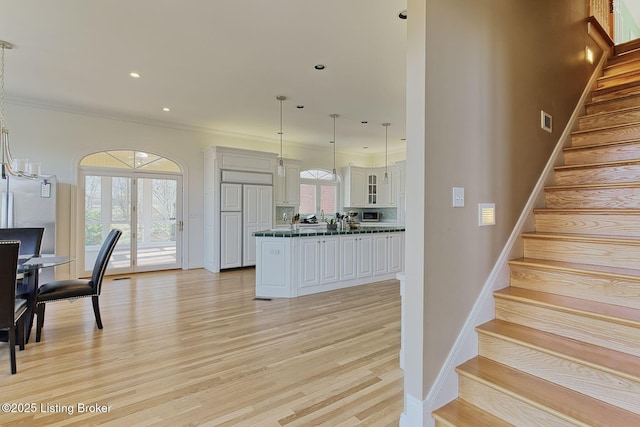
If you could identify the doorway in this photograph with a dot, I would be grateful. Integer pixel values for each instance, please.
(145, 204)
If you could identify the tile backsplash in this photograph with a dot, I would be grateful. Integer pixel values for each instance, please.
(388, 214)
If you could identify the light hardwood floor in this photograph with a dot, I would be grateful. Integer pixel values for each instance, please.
(194, 348)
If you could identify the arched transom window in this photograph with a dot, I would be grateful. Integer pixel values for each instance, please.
(130, 159)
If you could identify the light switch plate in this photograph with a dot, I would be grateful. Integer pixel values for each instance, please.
(458, 197)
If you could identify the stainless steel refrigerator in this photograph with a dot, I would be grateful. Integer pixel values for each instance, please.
(31, 203)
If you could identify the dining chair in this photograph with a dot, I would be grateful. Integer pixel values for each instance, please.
(30, 238)
(12, 310)
(72, 289)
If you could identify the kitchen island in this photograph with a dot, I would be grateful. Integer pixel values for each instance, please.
(292, 263)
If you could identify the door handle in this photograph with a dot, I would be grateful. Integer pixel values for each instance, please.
(180, 225)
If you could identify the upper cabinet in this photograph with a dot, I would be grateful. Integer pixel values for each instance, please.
(355, 186)
(365, 187)
(287, 187)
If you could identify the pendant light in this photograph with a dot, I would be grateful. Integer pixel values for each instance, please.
(281, 160)
(335, 173)
(386, 152)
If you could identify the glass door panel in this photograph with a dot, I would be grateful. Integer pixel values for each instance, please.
(107, 205)
(158, 222)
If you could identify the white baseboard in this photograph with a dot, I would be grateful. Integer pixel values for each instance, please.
(445, 388)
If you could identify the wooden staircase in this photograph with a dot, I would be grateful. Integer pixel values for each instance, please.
(564, 347)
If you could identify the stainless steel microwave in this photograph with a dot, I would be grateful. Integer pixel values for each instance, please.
(371, 216)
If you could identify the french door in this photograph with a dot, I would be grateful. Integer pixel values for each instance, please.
(147, 207)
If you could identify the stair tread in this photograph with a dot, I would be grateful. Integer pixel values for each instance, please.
(610, 113)
(618, 272)
(593, 186)
(543, 394)
(602, 144)
(606, 101)
(461, 413)
(588, 211)
(628, 73)
(595, 130)
(612, 313)
(618, 363)
(601, 238)
(610, 89)
(599, 165)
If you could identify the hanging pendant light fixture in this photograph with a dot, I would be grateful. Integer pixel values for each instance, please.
(385, 180)
(19, 167)
(281, 160)
(335, 173)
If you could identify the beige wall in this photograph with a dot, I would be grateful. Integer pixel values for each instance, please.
(491, 66)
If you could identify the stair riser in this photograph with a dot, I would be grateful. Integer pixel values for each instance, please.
(593, 198)
(604, 136)
(626, 50)
(608, 93)
(585, 252)
(613, 105)
(606, 290)
(505, 406)
(615, 80)
(623, 67)
(591, 381)
(609, 119)
(595, 331)
(601, 175)
(609, 224)
(603, 153)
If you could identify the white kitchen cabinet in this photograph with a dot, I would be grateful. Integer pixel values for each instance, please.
(365, 187)
(230, 239)
(287, 187)
(349, 257)
(380, 255)
(290, 265)
(257, 215)
(355, 186)
(226, 165)
(319, 260)
(396, 252)
(365, 256)
(356, 257)
(231, 197)
(387, 253)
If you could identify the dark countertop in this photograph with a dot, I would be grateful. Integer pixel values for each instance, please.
(322, 232)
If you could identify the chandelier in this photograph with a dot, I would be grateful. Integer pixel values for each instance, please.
(11, 166)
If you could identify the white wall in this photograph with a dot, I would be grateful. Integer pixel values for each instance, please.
(60, 139)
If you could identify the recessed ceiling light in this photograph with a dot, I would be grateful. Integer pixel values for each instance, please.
(402, 14)
(135, 75)
(319, 67)
(300, 107)
(166, 109)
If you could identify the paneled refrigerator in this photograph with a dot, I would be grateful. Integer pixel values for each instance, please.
(245, 209)
(31, 203)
